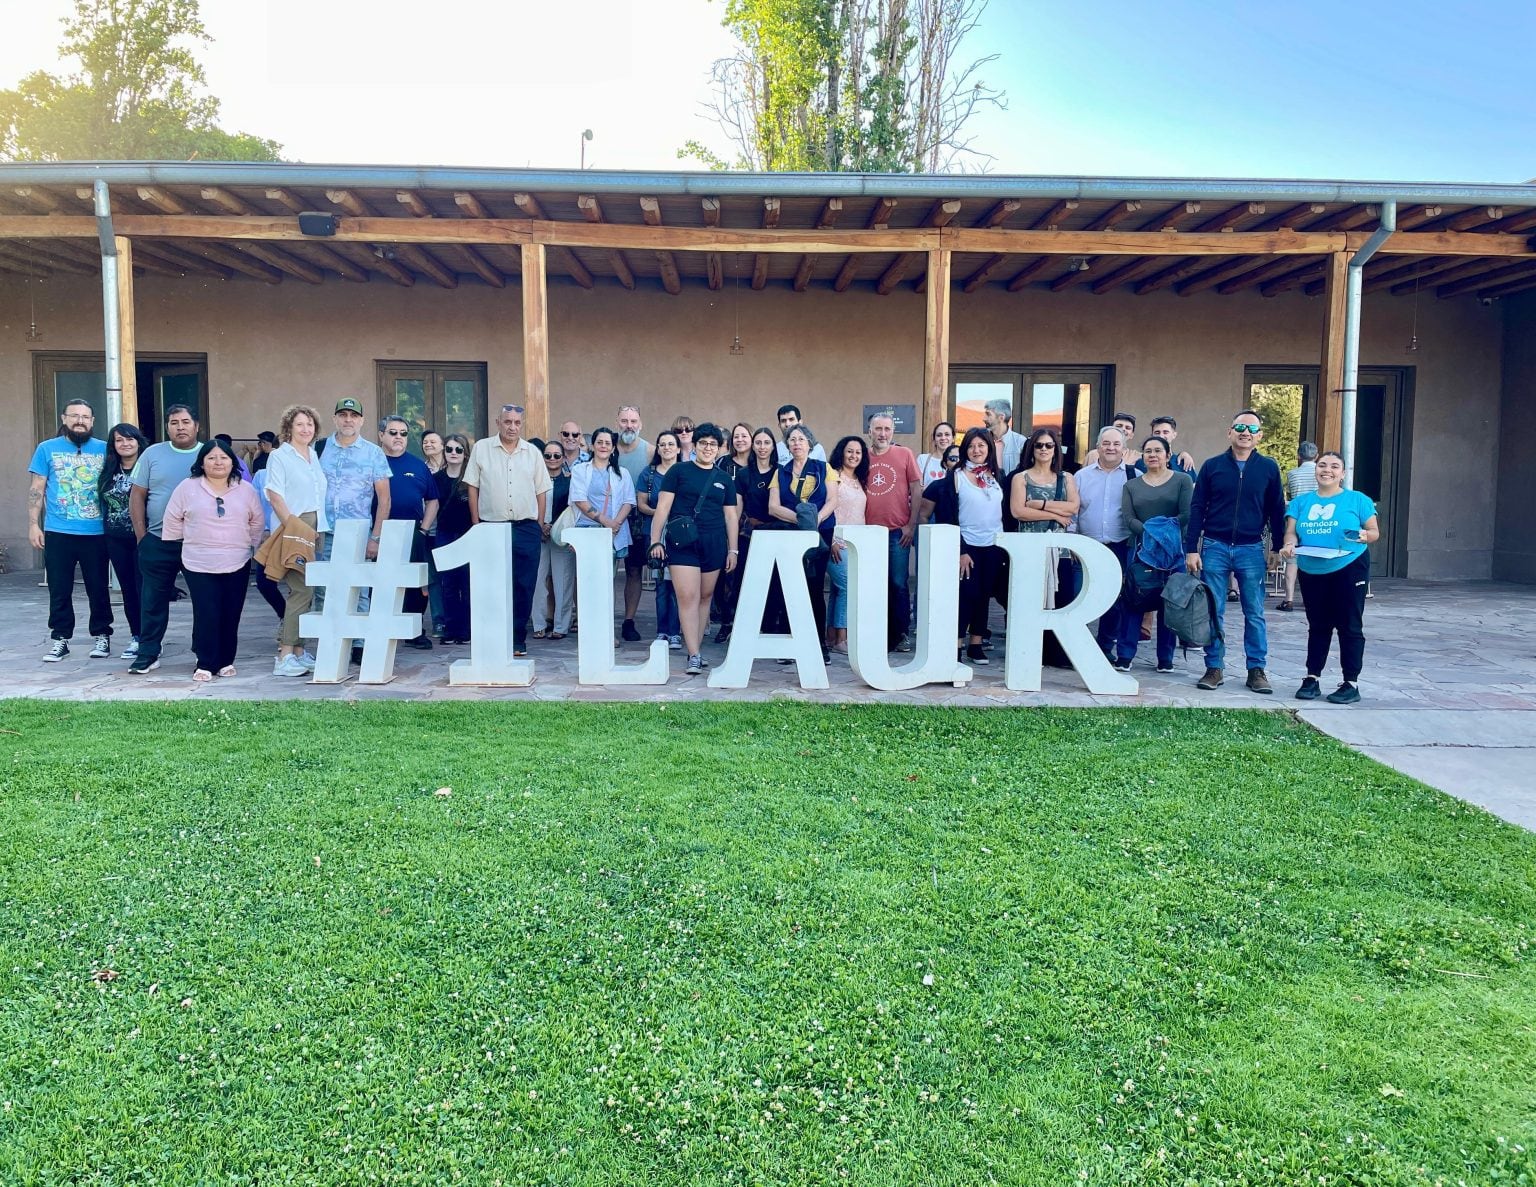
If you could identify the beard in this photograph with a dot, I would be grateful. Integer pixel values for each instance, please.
(78, 437)
(628, 437)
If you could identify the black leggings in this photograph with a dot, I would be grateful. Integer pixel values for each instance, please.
(976, 590)
(217, 602)
(1336, 602)
(123, 552)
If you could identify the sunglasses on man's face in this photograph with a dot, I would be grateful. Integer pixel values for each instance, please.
(1240, 427)
(563, 433)
(397, 432)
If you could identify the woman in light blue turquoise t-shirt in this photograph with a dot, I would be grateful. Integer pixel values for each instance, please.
(1327, 531)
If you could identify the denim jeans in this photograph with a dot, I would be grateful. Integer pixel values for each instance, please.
(1109, 621)
(1218, 562)
(668, 621)
(837, 603)
(1130, 639)
(900, 604)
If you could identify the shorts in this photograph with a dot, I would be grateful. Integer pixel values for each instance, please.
(706, 554)
(639, 553)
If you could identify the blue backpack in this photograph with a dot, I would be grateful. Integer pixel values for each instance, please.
(1160, 553)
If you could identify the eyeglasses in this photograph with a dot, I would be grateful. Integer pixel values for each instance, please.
(218, 504)
(555, 457)
(577, 433)
(1240, 427)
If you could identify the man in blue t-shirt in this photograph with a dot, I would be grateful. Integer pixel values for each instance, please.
(65, 522)
(412, 497)
(356, 487)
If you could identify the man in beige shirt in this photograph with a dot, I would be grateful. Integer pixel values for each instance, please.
(508, 483)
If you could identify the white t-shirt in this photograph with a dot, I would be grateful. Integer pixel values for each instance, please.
(981, 510)
(301, 484)
(931, 467)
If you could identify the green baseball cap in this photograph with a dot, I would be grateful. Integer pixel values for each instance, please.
(349, 405)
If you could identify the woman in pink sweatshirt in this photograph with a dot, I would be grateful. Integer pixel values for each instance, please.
(219, 520)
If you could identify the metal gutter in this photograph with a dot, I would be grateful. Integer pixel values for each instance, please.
(704, 184)
(1353, 289)
(102, 199)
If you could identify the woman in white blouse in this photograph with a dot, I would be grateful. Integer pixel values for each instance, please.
(296, 488)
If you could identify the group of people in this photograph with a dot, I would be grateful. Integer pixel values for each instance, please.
(686, 506)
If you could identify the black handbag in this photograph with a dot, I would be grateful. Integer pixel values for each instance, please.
(683, 531)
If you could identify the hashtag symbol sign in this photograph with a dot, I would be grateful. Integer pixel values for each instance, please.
(338, 625)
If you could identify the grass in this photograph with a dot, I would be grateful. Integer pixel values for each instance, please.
(254, 944)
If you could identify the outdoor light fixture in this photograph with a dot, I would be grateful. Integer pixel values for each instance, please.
(1077, 264)
(312, 222)
(384, 253)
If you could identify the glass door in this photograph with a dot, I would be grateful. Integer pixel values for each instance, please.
(1067, 399)
(444, 397)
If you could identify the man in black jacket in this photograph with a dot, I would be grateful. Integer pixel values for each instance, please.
(1237, 495)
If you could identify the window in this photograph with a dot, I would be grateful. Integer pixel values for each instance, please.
(445, 397)
(161, 379)
(1069, 399)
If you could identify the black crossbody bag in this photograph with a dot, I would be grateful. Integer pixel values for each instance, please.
(682, 531)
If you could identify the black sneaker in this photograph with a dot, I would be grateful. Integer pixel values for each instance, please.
(57, 652)
(1344, 694)
(1162, 667)
(628, 632)
(145, 663)
(1122, 665)
(974, 654)
(695, 665)
(723, 635)
(1310, 690)
(421, 643)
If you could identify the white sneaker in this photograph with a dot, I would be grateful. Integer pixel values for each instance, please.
(290, 665)
(103, 648)
(675, 642)
(132, 650)
(57, 652)
(306, 659)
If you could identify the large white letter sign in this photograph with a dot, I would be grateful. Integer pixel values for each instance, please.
(596, 658)
(338, 625)
(487, 549)
(782, 551)
(1029, 555)
(938, 608)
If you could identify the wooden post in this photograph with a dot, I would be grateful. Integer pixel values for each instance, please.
(936, 351)
(125, 331)
(535, 343)
(1331, 374)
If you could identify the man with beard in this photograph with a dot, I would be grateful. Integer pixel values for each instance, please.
(64, 520)
(161, 469)
(634, 455)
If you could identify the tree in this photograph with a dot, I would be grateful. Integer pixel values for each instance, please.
(138, 95)
(848, 86)
(1279, 407)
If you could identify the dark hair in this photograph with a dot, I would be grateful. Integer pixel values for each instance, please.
(457, 488)
(225, 440)
(944, 460)
(1165, 420)
(783, 408)
(268, 436)
(613, 453)
(1306, 452)
(114, 465)
(1124, 416)
(1167, 452)
(656, 448)
(940, 425)
(773, 454)
(1027, 458)
(861, 471)
(1246, 412)
(175, 408)
(540, 444)
(740, 424)
(1331, 453)
(68, 404)
(209, 447)
(708, 429)
(965, 451)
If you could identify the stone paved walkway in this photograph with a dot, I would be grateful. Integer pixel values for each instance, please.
(1439, 658)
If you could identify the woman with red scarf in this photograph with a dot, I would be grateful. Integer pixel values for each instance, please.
(971, 498)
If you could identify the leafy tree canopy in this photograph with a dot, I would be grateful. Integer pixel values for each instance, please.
(139, 93)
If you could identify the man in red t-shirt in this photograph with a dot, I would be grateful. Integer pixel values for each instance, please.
(894, 489)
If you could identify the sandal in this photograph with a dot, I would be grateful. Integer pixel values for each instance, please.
(1285, 605)
(540, 634)
(556, 635)
(228, 670)
(202, 675)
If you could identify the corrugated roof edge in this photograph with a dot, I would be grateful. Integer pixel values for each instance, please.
(873, 185)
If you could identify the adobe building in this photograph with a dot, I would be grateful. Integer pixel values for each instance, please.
(442, 294)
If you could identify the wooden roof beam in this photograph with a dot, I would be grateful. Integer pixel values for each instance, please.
(1515, 286)
(1115, 215)
(650, 211)
(760, 262)
(830, 212)
(940, 215)
(1253, 276)
(1167, 221)
(427, 264)
(1187, 282)
(414, 202)
(35, 198)
(468, 252)
(985, 273)
(1486, 279)
(1477, 216)
(1051, 219)
(592, 210)
(1444, 272)
(1030, 271)
(378, 259)
(1000, 213)
(230, 203)
(1126, 272)
(416, 257)
(567, 258)
(184, 262)
(879, 219)
(1417, 216)
(46, 257)
(1290, 280)
(1513, 224)
(471, 207)
(13, 261)
(1347, 219)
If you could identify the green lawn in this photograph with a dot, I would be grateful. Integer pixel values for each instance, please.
(254, 944)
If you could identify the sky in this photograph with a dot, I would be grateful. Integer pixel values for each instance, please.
(1346, 89)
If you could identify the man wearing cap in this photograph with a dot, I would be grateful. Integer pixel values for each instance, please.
(357, 483)
(508, 483)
